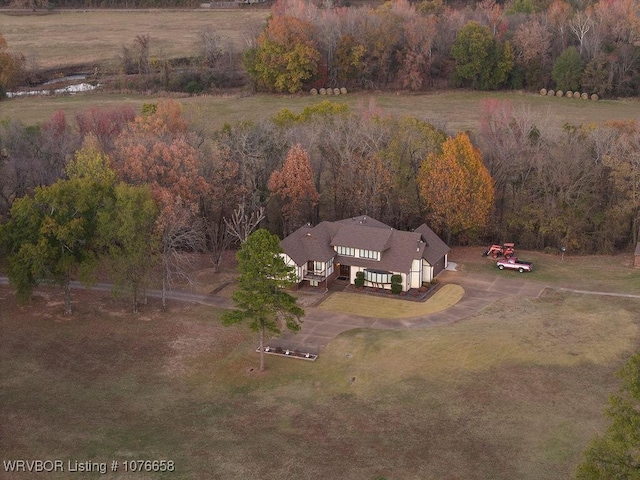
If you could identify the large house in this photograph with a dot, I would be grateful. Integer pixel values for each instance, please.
(331, 250)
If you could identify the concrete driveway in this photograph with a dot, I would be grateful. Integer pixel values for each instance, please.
(320, 327)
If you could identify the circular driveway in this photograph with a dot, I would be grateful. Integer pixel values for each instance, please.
(319, 327)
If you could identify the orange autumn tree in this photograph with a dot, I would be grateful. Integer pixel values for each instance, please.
(456, 187)
(293, 186)
(159, 151)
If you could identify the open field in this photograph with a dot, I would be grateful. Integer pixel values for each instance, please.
(96, 38)
(79, 38)
(515, 391)
(452, 110)
(603, 273)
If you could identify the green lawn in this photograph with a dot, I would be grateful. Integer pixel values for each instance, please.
(516, 391)
(388, 307)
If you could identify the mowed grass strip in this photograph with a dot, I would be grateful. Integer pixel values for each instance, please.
(516, 391)
(385, 307)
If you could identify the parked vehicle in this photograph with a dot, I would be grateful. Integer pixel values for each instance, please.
(514, 264)
(505, 250)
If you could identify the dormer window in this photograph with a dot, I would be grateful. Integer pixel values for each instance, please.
(372, 254)
(346, 251)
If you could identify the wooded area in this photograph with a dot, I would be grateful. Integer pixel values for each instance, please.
(578, 187)
(590, 47)
(487, 45)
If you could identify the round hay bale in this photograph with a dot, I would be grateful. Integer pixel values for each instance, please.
(323, 91)
(314, 91)
(336, 91)
(584, 96)
(543, 92)
(559, 93)
(551, 93)
(569, 94)
(576, 94)
(343, 91)
(595, 97)
(329, 91)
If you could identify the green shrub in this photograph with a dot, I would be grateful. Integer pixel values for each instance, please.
(396, 284)
(359, 281)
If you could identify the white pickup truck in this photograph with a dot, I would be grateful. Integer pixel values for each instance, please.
(514, 264)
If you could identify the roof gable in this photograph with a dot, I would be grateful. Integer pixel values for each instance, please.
(435, 248)
(399, 248)
(310, 243)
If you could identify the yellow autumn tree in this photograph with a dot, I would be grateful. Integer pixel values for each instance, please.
(456, 187)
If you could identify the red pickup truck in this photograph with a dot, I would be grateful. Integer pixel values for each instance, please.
(515, 264)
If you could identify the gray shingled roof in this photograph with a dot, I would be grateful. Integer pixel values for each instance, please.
(399, 248)
(362, 236)
(435, 248)
(310, 243)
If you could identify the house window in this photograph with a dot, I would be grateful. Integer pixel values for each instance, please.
(377, 276)
(346, 251)
(369, 254)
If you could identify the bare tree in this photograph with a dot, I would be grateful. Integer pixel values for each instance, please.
(580, 25)
(242, 222)
(182, 236)
(211, 47)
(219, 240)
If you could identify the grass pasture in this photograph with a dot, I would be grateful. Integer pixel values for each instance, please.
(516, 391)
(599, 273)
(452, 110)
(87, 38)
(74, 38)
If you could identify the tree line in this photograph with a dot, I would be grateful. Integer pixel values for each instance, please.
(592, 47)
(487, 45)
(578, 187)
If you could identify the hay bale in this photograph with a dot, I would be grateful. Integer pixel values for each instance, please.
(576, 94)
(336, 91)
(559, 93)
(584, 96)
(314, 91)
(543, 92)
(595, 97)
(551, 93)
(343, 91)
(323, 91)
(569, 94)
(329, 91)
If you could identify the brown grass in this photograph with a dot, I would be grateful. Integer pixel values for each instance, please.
(516, 391)
(96, 37)
(604, 273)
(452, 110)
